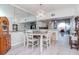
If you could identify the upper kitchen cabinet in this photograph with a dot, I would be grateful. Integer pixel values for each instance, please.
(42, 24)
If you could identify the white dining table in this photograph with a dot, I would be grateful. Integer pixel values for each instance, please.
(41, 40)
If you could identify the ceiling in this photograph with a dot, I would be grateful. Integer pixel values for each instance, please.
(33, 8)
(21, 14)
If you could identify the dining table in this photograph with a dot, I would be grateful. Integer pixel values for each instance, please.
(41, 34)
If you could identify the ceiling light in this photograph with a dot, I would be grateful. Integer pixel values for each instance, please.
(40, 12)
(14, 16)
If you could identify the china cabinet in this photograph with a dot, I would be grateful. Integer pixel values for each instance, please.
(5, 40)
(77, 29)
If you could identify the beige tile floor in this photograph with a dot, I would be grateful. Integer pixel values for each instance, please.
(56, 49)
(59, 47)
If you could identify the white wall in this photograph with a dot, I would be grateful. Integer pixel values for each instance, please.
(7, 10)
(77, 10)
(63, 12)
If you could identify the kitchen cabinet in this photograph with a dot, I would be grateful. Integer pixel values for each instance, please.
(76, 34)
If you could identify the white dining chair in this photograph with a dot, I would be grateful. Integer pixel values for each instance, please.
(31, 41)
(46, 40)
(25, 33)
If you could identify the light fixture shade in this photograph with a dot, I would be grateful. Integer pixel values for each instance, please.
(15, 19)
(41, 14)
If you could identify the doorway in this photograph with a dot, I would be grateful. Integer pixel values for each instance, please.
(63, 27)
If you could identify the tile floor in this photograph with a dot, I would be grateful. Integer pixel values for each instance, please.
(54, 50)
(61, 47)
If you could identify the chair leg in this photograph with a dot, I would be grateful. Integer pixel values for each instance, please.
(32, 45)
(27, 43)
(71, 46)
(77, 48)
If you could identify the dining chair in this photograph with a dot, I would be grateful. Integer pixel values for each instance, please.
(31, 41)
(46, 40)
(25, 33)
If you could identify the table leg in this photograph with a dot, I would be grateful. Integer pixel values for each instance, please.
(41, 45)
(24, 42)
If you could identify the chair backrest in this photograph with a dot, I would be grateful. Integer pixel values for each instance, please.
(29, 35)
(29, 32)
(47, 35)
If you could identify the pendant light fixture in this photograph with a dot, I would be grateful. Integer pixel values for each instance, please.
(40, 12)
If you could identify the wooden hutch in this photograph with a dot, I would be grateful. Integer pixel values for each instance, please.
(76, 42)
(5, 38)
(77, 30)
